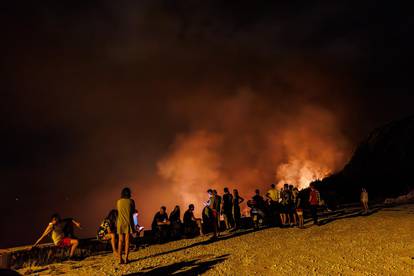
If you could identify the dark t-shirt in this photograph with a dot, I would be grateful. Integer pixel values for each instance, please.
(217, 202)
(175, 217)
(227, 202)
(259, 201)
(188, 218)
(158, 218)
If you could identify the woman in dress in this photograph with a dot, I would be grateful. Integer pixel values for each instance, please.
(125, 222)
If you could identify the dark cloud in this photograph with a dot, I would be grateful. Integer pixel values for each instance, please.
(103, 94)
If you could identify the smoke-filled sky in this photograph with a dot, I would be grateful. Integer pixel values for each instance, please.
(173, 97)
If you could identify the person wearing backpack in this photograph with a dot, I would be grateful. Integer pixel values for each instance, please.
(107, 230)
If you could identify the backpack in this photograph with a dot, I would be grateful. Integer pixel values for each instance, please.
(103, 229)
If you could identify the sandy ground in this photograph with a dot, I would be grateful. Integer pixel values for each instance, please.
(379, 244)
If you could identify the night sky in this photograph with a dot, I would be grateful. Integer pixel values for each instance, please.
(167, 96)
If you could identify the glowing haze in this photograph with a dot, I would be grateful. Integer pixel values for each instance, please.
(243, 142)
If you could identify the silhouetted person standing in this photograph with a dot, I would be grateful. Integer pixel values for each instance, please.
(218, 208)
(227, 209)
(237, 200)
(215, 215)
(364, 199)
(273, 196)
(314, 199)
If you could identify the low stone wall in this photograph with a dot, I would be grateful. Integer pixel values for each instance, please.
(19, 257)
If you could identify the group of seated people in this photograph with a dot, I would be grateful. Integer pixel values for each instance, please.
(166, 227)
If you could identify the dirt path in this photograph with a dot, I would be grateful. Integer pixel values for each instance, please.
(378, 244)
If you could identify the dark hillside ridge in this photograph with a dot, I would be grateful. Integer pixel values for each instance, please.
(383, 164)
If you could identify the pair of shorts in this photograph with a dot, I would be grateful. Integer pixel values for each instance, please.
(285, 209)
(65, 242)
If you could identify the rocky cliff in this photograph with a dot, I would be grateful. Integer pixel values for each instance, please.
(383, 163)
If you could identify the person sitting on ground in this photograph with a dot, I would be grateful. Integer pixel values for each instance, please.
(237, 200)
(125, 222)
(161, 225)
(273, 197)
(175, 221)
(285, 205)
(107, 230)
(314, 200)
(56, 226)
(192, 225)
(227, 209)
(364, 200)
(138, 228)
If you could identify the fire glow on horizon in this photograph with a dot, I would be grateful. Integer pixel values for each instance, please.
(297, 151)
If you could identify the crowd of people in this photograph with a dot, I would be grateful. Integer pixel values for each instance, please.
(284, 208)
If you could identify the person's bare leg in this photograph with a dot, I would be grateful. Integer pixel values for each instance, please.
(215, 227)
(113, 245)
(199, 226)
(227, 222)
(294, 219)
(127, 247)
(121, 240)
(74, 244)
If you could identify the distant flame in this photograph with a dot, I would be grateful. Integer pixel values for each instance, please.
(300, 173)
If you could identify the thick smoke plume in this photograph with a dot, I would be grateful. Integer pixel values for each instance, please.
(245, 143)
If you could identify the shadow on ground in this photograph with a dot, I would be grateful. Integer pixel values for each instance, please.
(206, 242)
(344, 214)
(191, 267)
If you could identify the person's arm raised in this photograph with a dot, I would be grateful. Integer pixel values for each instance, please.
(77, 224)
(48, 229)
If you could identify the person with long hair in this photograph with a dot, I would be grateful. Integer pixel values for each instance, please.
(125, 222)
(175, 220)
(237, 200)
(107, 230)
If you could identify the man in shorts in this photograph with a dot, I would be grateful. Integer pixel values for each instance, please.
(56, 226)
(273, 196)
